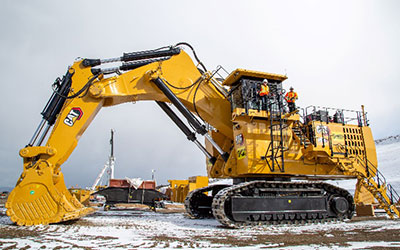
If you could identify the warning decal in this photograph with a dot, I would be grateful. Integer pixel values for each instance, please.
(241, 153)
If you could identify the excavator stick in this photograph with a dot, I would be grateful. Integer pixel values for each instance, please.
(41, 197)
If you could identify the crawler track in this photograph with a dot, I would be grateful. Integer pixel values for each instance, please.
(338, 203)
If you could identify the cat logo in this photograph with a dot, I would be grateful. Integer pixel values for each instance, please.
(73, 115)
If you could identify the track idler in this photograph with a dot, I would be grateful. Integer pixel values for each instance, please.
(41, 197)
(198, 202)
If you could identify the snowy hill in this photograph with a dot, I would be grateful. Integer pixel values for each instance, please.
(388, 140)
(388, 151)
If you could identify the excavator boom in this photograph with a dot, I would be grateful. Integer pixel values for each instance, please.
(40, 195)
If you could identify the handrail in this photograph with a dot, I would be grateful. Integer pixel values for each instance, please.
(367, 166)
(216, 81)
(217, 71)
(302, 114)
(303, 136)
(275, 116)
(393, 193)
(351, 115)
(377, 176)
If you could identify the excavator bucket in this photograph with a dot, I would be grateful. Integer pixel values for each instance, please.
(41, 197)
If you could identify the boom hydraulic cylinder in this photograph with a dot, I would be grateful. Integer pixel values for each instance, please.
(201, 129)
(189, 134)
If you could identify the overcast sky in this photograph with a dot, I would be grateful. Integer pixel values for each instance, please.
(335, 53)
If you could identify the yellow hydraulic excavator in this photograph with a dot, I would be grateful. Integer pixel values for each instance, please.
(277, 159)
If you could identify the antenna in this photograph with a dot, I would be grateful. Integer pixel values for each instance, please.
(112, 158)
(109, 164)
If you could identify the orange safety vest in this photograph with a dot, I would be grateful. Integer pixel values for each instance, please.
(264, 90)
(291, 96)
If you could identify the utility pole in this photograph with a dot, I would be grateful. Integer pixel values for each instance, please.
(112, 158)
(109, 166)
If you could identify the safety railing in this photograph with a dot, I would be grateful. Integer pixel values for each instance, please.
(216, 78)
(372, 172)
(326, 114)
(301, 134)
(220, 73)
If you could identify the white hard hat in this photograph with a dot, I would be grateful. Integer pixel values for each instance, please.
(265, 81)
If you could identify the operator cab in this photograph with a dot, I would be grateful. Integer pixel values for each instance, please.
(245, 87)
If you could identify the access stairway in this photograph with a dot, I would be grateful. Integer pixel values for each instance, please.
(367, 173)
(373, 181)
(349, 158)
(300, 136)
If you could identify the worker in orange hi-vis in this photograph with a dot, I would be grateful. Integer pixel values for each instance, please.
(263, 93)
(291, 98)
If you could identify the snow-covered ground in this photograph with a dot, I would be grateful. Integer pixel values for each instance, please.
(138, 228)
(132, 229)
